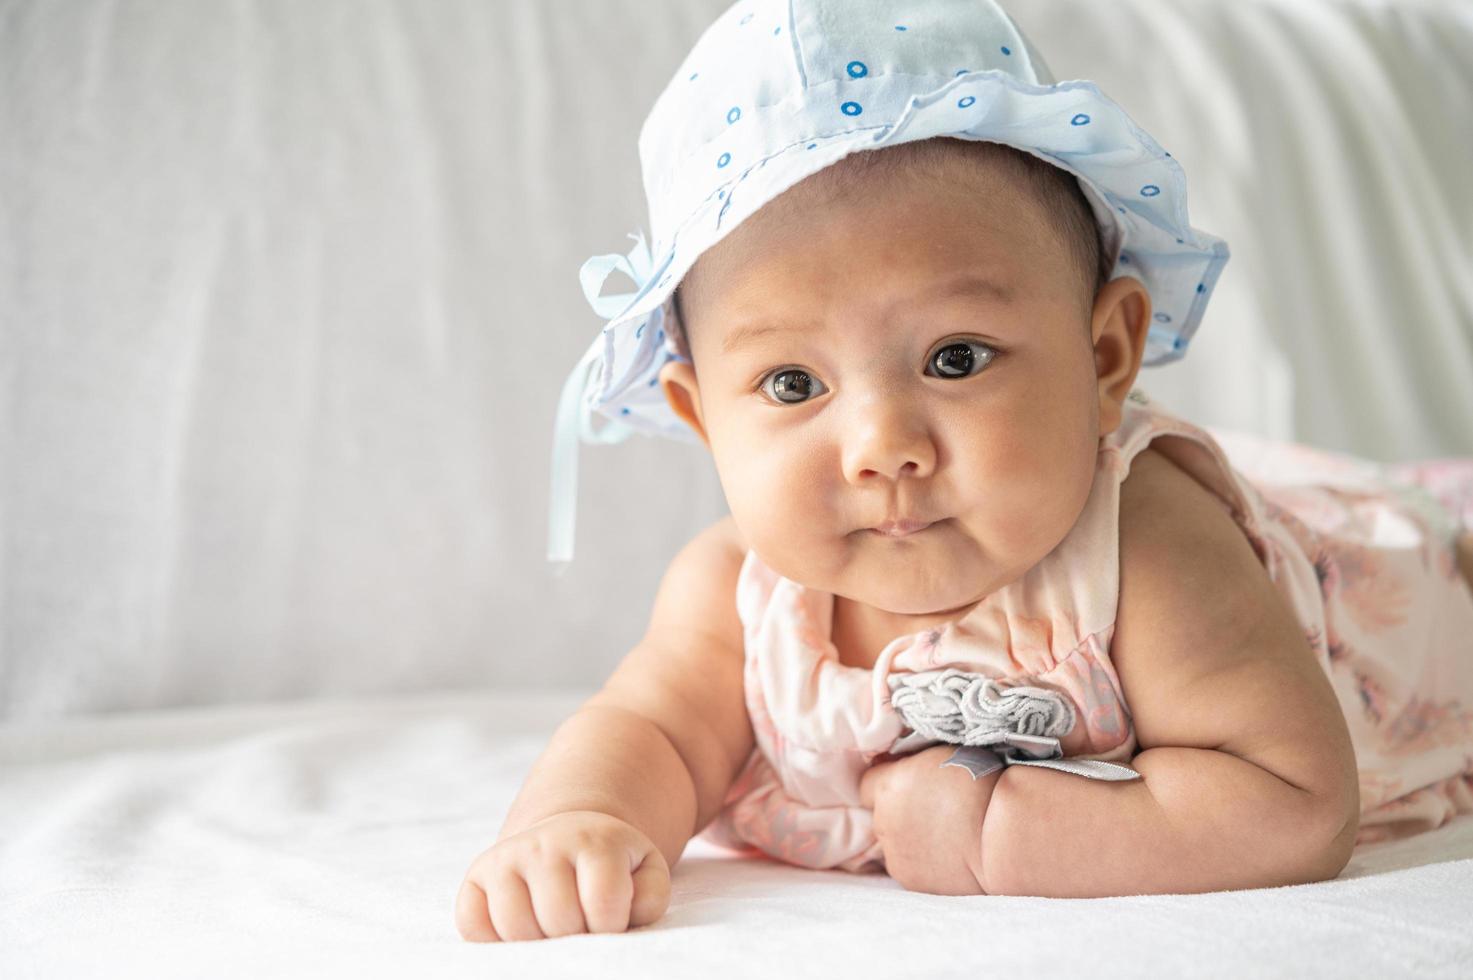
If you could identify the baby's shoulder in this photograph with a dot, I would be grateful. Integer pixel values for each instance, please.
(1148, 468)
(1194, 597)
(1156, 484)
(1169, 520)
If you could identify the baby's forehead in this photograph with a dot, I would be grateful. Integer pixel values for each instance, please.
(991, 202)
(764, 245)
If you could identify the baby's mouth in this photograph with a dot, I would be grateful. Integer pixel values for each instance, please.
(900, 528)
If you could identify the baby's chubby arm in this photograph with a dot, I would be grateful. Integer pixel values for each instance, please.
(681, 686)
(1250, 774)
(642, 766)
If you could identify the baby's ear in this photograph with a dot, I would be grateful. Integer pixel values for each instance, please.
(1122, 317)
(678, 382)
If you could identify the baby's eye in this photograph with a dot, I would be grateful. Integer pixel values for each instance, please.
(956, 360)
(791, 386)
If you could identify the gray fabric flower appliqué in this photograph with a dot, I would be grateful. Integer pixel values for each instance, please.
(976, 713)
(970, 709)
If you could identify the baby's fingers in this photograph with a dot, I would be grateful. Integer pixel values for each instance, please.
(651, 889)
(511, 906)
(606, 889)
(471, 916)
(554, 895)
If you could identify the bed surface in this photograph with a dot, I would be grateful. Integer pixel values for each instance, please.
(329, 838)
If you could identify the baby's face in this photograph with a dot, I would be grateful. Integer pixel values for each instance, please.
(922, 354)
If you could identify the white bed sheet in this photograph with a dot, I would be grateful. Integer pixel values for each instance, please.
(329, 838)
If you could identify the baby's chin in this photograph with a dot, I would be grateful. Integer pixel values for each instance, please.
(920, 603)
(919, 583)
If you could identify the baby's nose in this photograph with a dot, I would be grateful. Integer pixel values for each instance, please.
(890, 444)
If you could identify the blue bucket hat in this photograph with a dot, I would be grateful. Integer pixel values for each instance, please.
(776, 90)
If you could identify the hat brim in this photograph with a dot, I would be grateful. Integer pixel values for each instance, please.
(1136, 189)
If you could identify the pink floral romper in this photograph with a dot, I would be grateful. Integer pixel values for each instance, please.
(1362, 552)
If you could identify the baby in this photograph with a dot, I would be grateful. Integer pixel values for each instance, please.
(983, 616)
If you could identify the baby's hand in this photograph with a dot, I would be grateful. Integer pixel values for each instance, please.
(928, 820)
(578, 871)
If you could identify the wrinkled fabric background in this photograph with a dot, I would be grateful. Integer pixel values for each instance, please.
(288, 292)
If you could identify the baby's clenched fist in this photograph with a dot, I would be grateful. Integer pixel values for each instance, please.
(579, 871)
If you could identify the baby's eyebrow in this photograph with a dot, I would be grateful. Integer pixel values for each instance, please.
(746, 336)
(969, 284)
